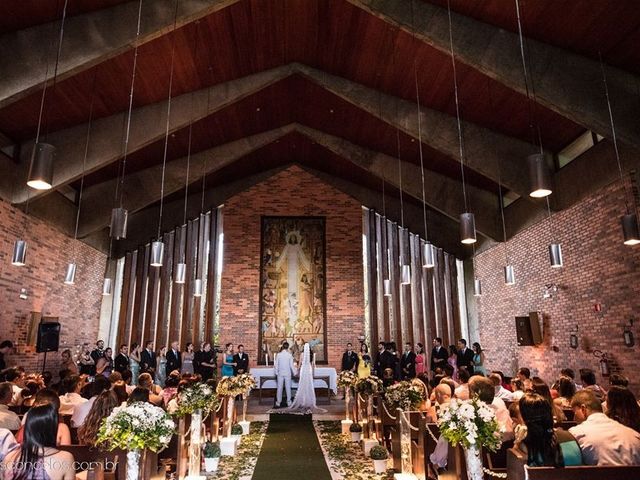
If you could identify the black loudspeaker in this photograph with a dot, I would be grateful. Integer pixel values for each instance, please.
(528, 330)
(48, 337)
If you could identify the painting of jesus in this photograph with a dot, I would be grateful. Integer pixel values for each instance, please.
(292, 288)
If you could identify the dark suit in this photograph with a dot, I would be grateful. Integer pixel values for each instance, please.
(408, 365)
(96, 354)
(349, 361)
(121, 363)
(147, 360)
(465, 359)
(387, 360)
(174, 361)
(242, 363)
(201, 357)
(438, 353)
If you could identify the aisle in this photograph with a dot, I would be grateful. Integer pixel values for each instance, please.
(291, 450)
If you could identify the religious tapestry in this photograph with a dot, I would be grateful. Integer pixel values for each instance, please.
(292, 285)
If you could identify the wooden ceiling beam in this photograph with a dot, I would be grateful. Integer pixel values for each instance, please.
(565, 82)
(89, 39)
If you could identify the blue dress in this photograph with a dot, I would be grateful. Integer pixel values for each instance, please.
(227, 370)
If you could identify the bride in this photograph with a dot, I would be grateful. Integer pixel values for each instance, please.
(305, 401)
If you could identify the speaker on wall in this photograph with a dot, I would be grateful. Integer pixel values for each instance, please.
(528, 330)
(48, 337)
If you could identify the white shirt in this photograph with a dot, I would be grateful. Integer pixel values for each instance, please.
(68, 402)
(81, 411)
(504, 394)
(7, 442)
(517, 395)
(604, 441)
(462, 391)
(503, 418)
(16, 398)
(8, 419)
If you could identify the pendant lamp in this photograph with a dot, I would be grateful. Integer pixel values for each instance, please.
(555, 255)
(509, 275)
(19, 253)
(119, 223)
(157, 253)
(539, 176)
(181, 273)
(106, 286)
(428, 255)
(630, 229)
(467, 228)
(41, 171)
(477, 287)
(197, 287)
(386, 287)
(70, 275)
(406, 275)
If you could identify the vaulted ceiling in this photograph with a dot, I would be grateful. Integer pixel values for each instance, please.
(333, 85)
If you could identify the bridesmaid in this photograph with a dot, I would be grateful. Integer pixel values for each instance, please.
(227, 361)
(104, 366)
(419, 359)
(187, 360)
(478, 360)
(364, 361)
(161, 373)
(134, 363)
(453, 361)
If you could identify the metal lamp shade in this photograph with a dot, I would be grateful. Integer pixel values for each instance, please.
(70, 276)
(157, 253)
(386, 287)
(181, 273)
(509, 275)
(467, 228)
(106, 286)
(19, 253)
(406, 275)
(539, 176)
(428, 256)
(119, 218)
(630, 229)
(555, 255)
(41, 172)
(477, 287)
(197, 287)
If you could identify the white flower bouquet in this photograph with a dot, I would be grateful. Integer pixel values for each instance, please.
(347, 379)
(369, 385)
(137, 426)
(198, 396)
(404, 395)
(470, 423)
(234, 386)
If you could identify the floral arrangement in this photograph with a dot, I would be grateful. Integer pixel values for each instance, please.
(470, 422)
(197, 396)
(369, 385)
(236, 429)
(404, 395)
(355, 427)
(234, 386)
(211, 450)
(347, 379)
(378, 453)
(135, 427)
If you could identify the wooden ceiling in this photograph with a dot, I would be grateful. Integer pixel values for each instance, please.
(333, 36)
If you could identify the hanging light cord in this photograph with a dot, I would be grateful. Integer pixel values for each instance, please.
(204, 163)
(455, 93)
(166, 136)
(131, 91)
(613, 132)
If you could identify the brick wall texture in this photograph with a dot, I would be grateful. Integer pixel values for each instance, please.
(292, 192)
(598, 269)
(48, 253)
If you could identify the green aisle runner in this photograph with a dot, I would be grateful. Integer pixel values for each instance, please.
(291, 450)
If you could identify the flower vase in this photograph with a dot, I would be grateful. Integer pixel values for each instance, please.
(245, 401)
(347, 401)
(229, 422)
(133, 464)
(194, 443)
(370, 419)
(474, 463)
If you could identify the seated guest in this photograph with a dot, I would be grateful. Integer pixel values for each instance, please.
(120, 389)
(618, 380)
(541, 388)
(127, 378)
(7, 442)
(519, 427)
(566, 391)
(93, 390)
(622, 406)
(588, 378)
(67, 362)
(170, 389)
(603, 441)
(70, 394)
(462, 390)
(29, 392)
(38, 458)
(45, 397)
(484, 389)
(517, 389)
(568, 372)
(155, 392)
(8, 419)
(543, 445)
(523, 374)
(172, 405)
(16, 378)
(500, 391)
(100, 409)
(115, 377)
(139, 394)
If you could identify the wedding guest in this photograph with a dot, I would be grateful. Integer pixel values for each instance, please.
(134, 363)
(439, 354)
(174, 358)
(7, 443)
(104, 366)
(523, 374)
(566, 391)
(588, 378)
(95, 389)
(187, 359)
(171, 389)
(379, 356)
(227, 361)
(420, 359)
(139, 394)
(465, 356)
(543, 445)
(478, 359)
(387, 363)
(541, 388)
(70, 394)
(568, 372)
(452, 361)
(364, 361)
(28, 393)
(622, 406)
(462, 390)
(349, 359)
(121, 362)
(120, 390)
(6, 347)
(68, 363)
(115, 377)
(161, 373)
(484, 389)
(517, 389)
(48, 397)
(241, 360)
(97, 352)
(408, 363)
(155, 392)
(16, 378)
(101, 408)
(38, 457)
(148, 358)
(86, 362)
(602, 440)
(8, 419)
(500, 391)
(208, 364)
(619, 380)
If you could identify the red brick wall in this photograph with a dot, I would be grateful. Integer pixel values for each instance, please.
(598, 268)
(48, 252)
(292, 192)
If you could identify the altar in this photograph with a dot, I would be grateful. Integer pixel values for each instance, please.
(269, 376)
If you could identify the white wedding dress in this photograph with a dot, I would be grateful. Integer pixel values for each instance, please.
(305, 400)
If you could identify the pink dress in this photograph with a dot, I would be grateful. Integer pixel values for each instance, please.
(419, 363)
(453, 361)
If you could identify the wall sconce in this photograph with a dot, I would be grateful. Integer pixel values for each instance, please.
(573, 339)
(627, 335)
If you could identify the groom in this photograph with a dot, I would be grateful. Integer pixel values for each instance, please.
(283, 368)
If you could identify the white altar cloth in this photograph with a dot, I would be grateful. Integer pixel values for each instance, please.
(258, 372)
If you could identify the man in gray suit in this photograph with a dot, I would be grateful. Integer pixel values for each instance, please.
(284, 369)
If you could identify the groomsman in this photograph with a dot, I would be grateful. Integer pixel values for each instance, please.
(121, 362)
(349, 359)
(206, 362)
(174, 359)
(148, 358)
(241, 360)
(465, 356)
(98, 352)
(408, 363)
(439, 354)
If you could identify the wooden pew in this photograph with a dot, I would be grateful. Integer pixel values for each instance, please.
(517, 463)
(425, 446)
(88, 458)
(414, 419)
(387, 423)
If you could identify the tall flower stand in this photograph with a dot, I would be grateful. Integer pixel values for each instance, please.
(405, 448)
(474, 463)
(346, 423)
(141, 464)
(229, 444)
(195, 445)
(244, 424)
(133, 465)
